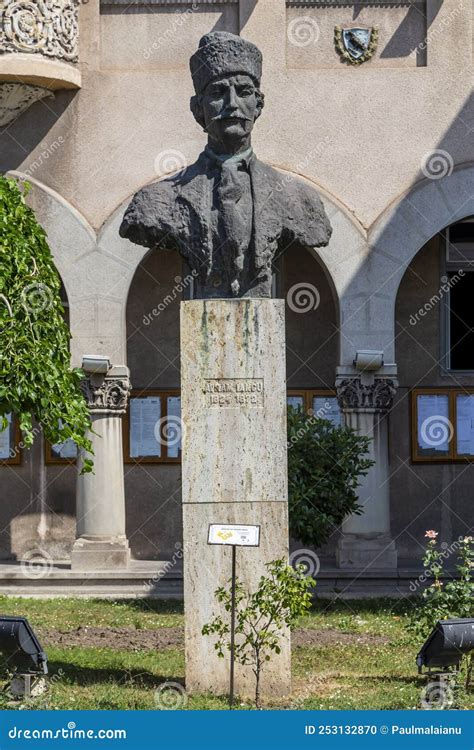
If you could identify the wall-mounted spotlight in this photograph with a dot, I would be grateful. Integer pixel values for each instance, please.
(368, 360)
(448, 643)
(95, 364)
(21, 653)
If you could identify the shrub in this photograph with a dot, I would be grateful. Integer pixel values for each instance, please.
(439, 600)
(445, 601)
(325, 464)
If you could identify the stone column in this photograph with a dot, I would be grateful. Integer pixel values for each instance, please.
(101, 542)
(233, 402)
(365, 399)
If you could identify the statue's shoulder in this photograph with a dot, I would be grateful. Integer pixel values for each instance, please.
(149, 215)
(161, 191)
(298, 204)
(167, 189)
(154, 215)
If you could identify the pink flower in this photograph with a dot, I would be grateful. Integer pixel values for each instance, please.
(431, 534)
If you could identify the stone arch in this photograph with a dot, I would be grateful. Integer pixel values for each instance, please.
(368, 304)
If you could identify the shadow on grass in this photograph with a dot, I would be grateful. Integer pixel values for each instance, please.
(361, 606)
(84, 676)
(415, 680)
(159, 606)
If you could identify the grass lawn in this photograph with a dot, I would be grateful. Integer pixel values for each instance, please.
(346, 655)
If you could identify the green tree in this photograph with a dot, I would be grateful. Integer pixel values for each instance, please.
(36, 380)
(278, 601)
(325, 464)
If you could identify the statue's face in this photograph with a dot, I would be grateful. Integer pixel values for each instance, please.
(230, 106)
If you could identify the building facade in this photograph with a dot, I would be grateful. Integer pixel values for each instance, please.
(95, 104)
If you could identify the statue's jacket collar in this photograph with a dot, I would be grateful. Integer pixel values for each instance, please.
(195, 196)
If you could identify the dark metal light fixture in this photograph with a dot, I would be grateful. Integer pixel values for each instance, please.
(19, 647)
(447, 644)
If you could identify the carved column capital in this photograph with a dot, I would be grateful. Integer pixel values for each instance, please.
(108, 395)
(354, 394)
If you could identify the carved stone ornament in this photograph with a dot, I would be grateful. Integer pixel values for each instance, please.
(15, 98)
(353, 394)
(110, 395)
(48, 27)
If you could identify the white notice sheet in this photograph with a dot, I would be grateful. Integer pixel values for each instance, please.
(145, 415)
(434, 427)
(5, 439)
(465, 424)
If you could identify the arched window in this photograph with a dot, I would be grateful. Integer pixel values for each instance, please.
(459, 307)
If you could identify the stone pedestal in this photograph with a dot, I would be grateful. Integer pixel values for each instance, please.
(366, 543)
(101, 542)
(233, 401)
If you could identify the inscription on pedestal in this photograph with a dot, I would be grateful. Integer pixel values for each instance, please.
(233, 392)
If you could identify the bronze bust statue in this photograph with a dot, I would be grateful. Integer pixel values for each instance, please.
(228, 214)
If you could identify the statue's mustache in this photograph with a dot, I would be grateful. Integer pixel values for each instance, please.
(231, 116)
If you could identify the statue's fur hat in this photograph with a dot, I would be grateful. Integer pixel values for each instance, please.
(221, 53)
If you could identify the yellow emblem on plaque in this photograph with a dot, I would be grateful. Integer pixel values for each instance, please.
(225, 535)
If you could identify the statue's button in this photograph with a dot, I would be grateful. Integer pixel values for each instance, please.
(217, 281)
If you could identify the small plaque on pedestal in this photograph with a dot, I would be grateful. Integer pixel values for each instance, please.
(240, 536)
